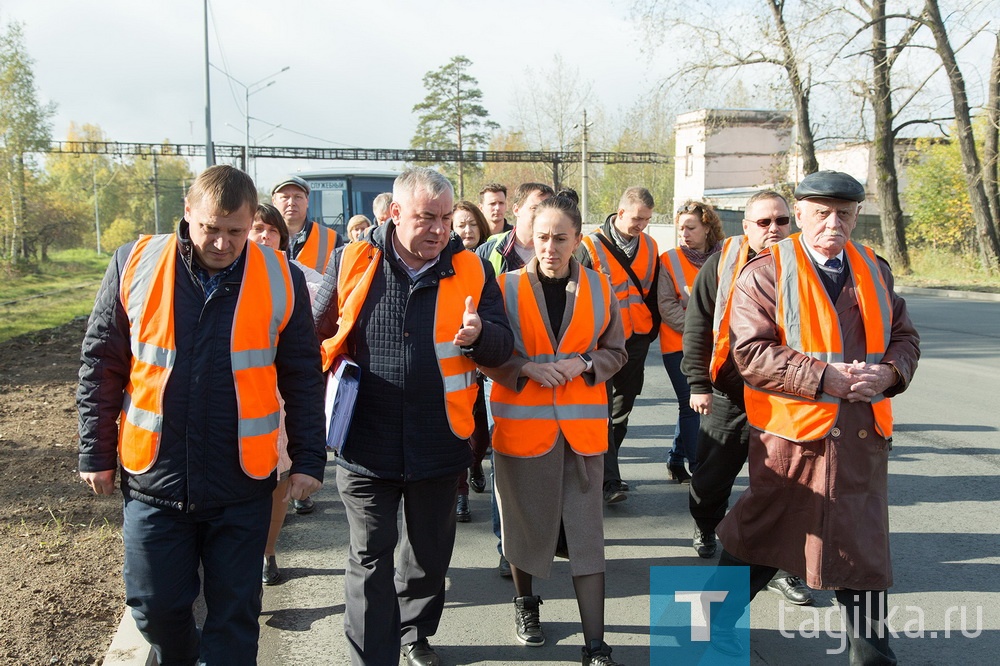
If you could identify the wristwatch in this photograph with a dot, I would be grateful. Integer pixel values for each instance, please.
(586, 359)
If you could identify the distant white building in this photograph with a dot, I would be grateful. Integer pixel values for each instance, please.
(725, 155)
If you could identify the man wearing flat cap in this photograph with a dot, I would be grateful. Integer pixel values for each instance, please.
(823, 342)
(309, 243)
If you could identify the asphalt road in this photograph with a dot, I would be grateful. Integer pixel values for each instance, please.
(945, 514)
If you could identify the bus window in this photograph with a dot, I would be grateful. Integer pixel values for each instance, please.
(328, 204)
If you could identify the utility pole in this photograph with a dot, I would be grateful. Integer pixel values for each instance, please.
(250, 89)
(583, 169)
(97, 207)
(209, 152)
(156, 196)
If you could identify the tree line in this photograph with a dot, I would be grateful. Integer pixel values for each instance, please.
(864, 64)
(61, 200)
(866, 70)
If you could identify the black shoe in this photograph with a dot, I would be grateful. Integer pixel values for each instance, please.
(477, 478)
(527, 622)
(420, 654)
(271, 574)
(614, 492)
(504, 567)
(726, 642)
(678, 473)
(704, 542)
(303, 507)
(462, 513)
(793, 589)
(599, 657)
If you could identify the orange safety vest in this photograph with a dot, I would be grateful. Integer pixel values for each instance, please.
(263, 308)
(318, 248)
(458, 372)
(636, 317)
(683, 273)
(529, 421)
(808, 323)
(734, 256)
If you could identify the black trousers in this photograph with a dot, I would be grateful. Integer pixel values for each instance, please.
(864, 610)
(387, 605)
(624, 388)
(723, 439)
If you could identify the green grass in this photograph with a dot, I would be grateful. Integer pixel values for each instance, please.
(71, 278)
(939, 269)
(65, 285)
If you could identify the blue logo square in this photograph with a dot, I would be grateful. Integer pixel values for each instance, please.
(697, 615)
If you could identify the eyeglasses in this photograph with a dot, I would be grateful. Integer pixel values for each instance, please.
(768, 221)
(689, 208)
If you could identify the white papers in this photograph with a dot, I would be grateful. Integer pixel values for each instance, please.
(341, 394)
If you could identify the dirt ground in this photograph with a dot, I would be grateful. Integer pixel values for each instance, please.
(61, 591)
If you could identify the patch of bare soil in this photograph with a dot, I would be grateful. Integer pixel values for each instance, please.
(61, 589)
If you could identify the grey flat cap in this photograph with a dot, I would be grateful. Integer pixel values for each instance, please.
(291, 180)
(830, 185)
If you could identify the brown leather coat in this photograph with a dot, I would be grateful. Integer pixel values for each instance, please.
(816, 509)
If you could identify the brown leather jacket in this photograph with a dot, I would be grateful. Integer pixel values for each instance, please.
(816, 509)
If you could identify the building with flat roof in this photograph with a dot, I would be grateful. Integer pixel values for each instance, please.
(725, 155)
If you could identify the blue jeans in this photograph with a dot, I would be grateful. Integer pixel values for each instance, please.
(163, 548)
(685, 446)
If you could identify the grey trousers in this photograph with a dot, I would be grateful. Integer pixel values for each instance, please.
(388, 605)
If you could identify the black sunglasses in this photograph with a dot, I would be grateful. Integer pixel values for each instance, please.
(768, 221)
(689, 208)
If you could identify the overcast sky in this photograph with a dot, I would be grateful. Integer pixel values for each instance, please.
(136, 68)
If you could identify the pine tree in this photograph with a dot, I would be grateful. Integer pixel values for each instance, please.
(451, 115)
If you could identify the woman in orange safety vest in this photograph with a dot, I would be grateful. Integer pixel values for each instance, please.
(550, 405)
(699, 235)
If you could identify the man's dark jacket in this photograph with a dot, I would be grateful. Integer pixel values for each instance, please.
(503, 245)
(698, 339)
(400, 430)
(198, 465)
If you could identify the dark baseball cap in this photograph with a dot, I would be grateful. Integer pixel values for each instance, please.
(830, 185)
(291, 180)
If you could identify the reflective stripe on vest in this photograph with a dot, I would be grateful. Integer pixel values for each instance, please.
(318, 248)
(735, 251)
(683, 273)
(808, 323)
(528, 422)
(147, 294)
(636, 317)
(458, 372)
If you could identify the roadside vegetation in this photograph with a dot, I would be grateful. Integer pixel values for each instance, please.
(41, 295)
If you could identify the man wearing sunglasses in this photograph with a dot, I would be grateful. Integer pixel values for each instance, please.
(822, 342)
(716, 384)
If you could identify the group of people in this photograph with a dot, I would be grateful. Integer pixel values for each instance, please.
(203, 379)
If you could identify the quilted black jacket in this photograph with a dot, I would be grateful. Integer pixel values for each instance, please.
(400, 430)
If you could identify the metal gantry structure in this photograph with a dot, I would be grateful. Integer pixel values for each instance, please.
(554, 158)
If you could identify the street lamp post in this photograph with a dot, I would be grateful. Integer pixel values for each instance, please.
(250, 89)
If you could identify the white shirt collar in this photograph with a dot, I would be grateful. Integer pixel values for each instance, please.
(412, 272)
(819, 258)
